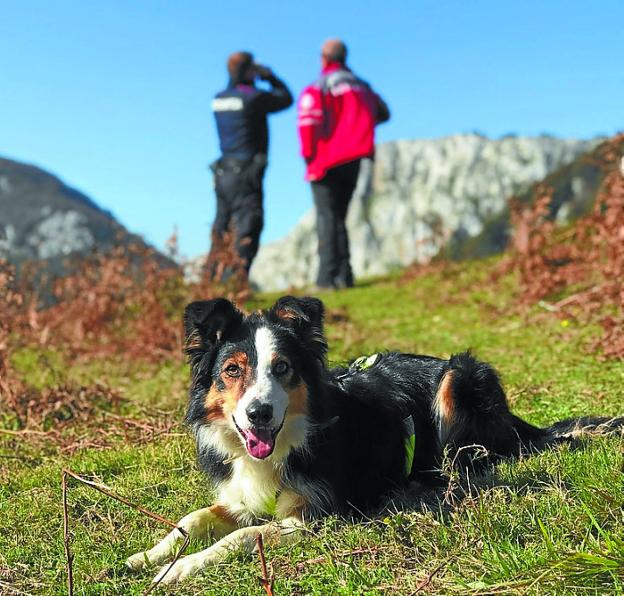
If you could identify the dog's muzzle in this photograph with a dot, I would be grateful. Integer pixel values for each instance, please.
(260, 436)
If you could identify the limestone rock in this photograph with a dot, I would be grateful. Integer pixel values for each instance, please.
(45, 221)
(417, 197)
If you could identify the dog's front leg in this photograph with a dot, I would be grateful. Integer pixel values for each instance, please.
(213, 520)
(243, 539)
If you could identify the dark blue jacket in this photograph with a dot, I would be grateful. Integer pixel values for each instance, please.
(241, 114)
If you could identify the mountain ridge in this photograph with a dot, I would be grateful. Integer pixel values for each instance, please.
(45, 220)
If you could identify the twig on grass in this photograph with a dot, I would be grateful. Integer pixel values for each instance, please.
(69, 557)
(106, 491)
(427, 580)
(455, 474)
(266, 582)
(339, 555)
(26, 431)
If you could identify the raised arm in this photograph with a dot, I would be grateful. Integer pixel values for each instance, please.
(279, 97)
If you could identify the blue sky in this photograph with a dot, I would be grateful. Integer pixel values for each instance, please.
(114, 96)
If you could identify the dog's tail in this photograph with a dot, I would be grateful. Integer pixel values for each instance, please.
(471, 407)
(576, 428)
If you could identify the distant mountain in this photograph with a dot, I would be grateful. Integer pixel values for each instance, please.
(423, 196)
(42, 219)
(575, 187)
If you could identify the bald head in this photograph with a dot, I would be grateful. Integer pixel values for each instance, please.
(334, 50)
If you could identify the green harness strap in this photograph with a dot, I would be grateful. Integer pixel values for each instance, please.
(410, 444)
(364, 362)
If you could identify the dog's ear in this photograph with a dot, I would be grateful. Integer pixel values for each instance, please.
(305, 316)
(300, 311)
(206, 322)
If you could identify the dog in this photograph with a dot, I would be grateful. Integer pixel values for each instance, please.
(286, 440)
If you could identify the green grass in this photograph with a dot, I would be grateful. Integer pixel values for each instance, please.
(548, 524)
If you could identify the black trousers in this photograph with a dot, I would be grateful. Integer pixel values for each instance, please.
(238, 186)
(332, 195)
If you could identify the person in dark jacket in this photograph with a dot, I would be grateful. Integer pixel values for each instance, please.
(241, 115)
(337, 118)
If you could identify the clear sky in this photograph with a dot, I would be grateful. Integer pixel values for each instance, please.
(114, 96)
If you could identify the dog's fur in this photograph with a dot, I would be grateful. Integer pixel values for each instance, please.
(285, 439)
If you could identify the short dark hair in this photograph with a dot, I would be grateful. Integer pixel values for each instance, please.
(238, 63)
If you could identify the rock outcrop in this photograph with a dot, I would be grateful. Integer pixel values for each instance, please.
(418, 197)
(44, 220)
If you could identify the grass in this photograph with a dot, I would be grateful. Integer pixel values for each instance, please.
(548, 524)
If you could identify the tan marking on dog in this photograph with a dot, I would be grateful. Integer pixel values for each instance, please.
(223, 521)
(290, 504)
(239, 358)
(444, 403)
(193, 341)
(213, 403)
(287, 314)
(220, 403)
(298, 400)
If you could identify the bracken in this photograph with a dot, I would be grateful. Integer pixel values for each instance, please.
(125, 304)
(583, 262)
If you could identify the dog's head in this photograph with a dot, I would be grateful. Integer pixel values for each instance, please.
(252, 375)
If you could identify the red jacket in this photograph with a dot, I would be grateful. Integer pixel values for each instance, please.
(337, 118)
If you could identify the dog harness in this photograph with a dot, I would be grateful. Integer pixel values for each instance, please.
(364, 363)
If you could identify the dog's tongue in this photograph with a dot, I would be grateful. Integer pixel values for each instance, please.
(259, 442)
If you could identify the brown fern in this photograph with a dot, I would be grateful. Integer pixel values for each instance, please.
(579, 268)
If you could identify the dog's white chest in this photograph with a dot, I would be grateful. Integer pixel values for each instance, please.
(252, 489)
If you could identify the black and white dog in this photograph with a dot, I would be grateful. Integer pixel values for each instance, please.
(285, 439)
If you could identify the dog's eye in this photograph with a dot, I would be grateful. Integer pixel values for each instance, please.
(280, 368)
(233, 370)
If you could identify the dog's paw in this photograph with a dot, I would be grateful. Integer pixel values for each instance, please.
(183, 568)
(137, 561)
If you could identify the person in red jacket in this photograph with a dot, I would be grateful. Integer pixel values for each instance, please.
(336, 121)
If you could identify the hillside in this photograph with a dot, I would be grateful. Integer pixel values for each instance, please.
(534, 526)
(44, 220)
(417, 197)
(575, 186)
(97, 385)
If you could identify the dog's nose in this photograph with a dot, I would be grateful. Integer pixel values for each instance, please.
(259, 413)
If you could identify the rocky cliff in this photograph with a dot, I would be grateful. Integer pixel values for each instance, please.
(420, 196)
(44, 220)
